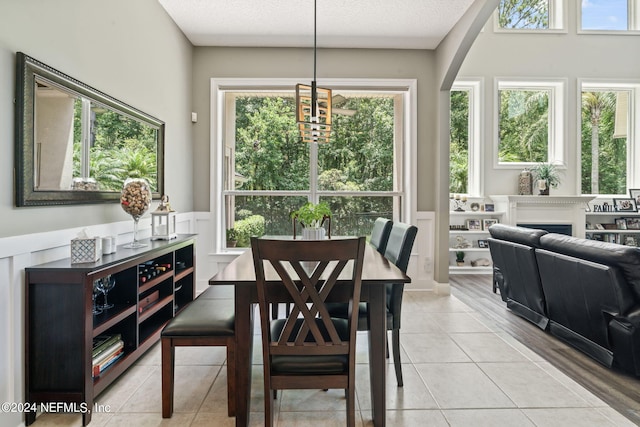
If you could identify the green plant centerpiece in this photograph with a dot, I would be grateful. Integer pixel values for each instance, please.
(312, 218)
(232, 238)
(547, 175)
(460, 258)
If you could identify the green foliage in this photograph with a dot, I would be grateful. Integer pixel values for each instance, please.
(359, 157)
(460, 256)
(232, 235)
(524, 125)
(459, 137)
(523, 14)
(311, 215)
(547, 172)
(609, 159)
(121, 148)
(252, 226)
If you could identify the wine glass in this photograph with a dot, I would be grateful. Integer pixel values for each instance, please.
(106, 284)
(96, 288)
(135, 199)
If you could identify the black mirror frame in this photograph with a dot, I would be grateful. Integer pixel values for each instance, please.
(27, 68)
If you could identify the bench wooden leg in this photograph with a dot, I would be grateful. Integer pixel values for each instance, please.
(168, 363)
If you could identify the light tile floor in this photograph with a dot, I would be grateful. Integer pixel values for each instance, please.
(459, 370)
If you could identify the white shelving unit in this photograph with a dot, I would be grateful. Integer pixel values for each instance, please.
(472, 237)
(610, 234)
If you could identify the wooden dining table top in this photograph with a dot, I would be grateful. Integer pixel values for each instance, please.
(376, 270)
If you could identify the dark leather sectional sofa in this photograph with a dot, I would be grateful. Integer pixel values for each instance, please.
(585, 292)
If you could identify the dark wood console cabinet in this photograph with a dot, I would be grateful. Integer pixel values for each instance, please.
(60, 325)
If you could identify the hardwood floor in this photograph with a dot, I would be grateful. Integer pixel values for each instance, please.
(619, 390)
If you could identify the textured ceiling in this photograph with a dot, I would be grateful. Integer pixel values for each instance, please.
(397, 24)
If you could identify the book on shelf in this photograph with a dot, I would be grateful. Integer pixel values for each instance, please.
(113, 349)
(100, 368)
(102, 342)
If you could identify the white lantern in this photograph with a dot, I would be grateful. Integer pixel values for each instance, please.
(163, 221)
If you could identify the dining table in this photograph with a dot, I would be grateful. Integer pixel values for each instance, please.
(377, 272)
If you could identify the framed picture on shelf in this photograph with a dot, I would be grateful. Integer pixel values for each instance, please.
(474, 224)
(625, 205)
(488, 222)
(621, 223)
(630, 241)
(483, 243)
(489, 207)
(634, 193)
(633, 223)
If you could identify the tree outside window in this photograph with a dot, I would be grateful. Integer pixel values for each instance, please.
(523, 126)
(272, 170)
(604, 131)
(523, 14)
(459, 140)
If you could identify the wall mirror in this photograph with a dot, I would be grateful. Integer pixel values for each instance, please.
(75, 144)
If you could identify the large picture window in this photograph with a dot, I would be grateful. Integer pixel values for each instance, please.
(269, 172)
(465, 148)
(530, 122)
(607, 143)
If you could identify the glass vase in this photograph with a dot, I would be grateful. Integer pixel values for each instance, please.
(135, 200)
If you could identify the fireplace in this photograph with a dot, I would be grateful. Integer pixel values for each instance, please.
(557, 214)
(551, 228)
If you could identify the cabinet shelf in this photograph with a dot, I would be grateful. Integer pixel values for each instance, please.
(183, 273)
(153, 308)
(476, 213)
(153, 282)
(111, 317)
(61, 326)
(471, 237)
(454, 269)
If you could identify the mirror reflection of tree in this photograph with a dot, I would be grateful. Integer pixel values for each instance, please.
(119, 148)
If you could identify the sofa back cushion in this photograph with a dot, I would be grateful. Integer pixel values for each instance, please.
(523, 235)
(513, 253)
(624, 258)
(519, 268)
(583, 296)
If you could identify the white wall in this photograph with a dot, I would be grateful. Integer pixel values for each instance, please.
(130, 50)
(569, 56)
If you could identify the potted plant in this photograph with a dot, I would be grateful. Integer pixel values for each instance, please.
(460, 258)
(232, 237)
(547, 175)
(312, 217)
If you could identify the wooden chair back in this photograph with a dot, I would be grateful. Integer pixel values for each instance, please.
(308, 349)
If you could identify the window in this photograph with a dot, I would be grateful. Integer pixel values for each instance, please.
(268, 172)
(609, 15)
(532, 15)
(465, 150)
(530, 122)
(607, 144)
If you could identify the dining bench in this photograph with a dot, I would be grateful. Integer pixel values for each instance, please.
(206, 321)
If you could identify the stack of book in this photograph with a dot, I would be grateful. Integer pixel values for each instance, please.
(107, 349)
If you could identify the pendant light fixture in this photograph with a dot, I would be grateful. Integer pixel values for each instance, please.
(313, 104)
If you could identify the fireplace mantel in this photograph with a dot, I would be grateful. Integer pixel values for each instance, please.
(545, 210)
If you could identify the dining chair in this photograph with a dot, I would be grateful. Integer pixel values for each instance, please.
(308, 349)
(398, 251)
(380, 233)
